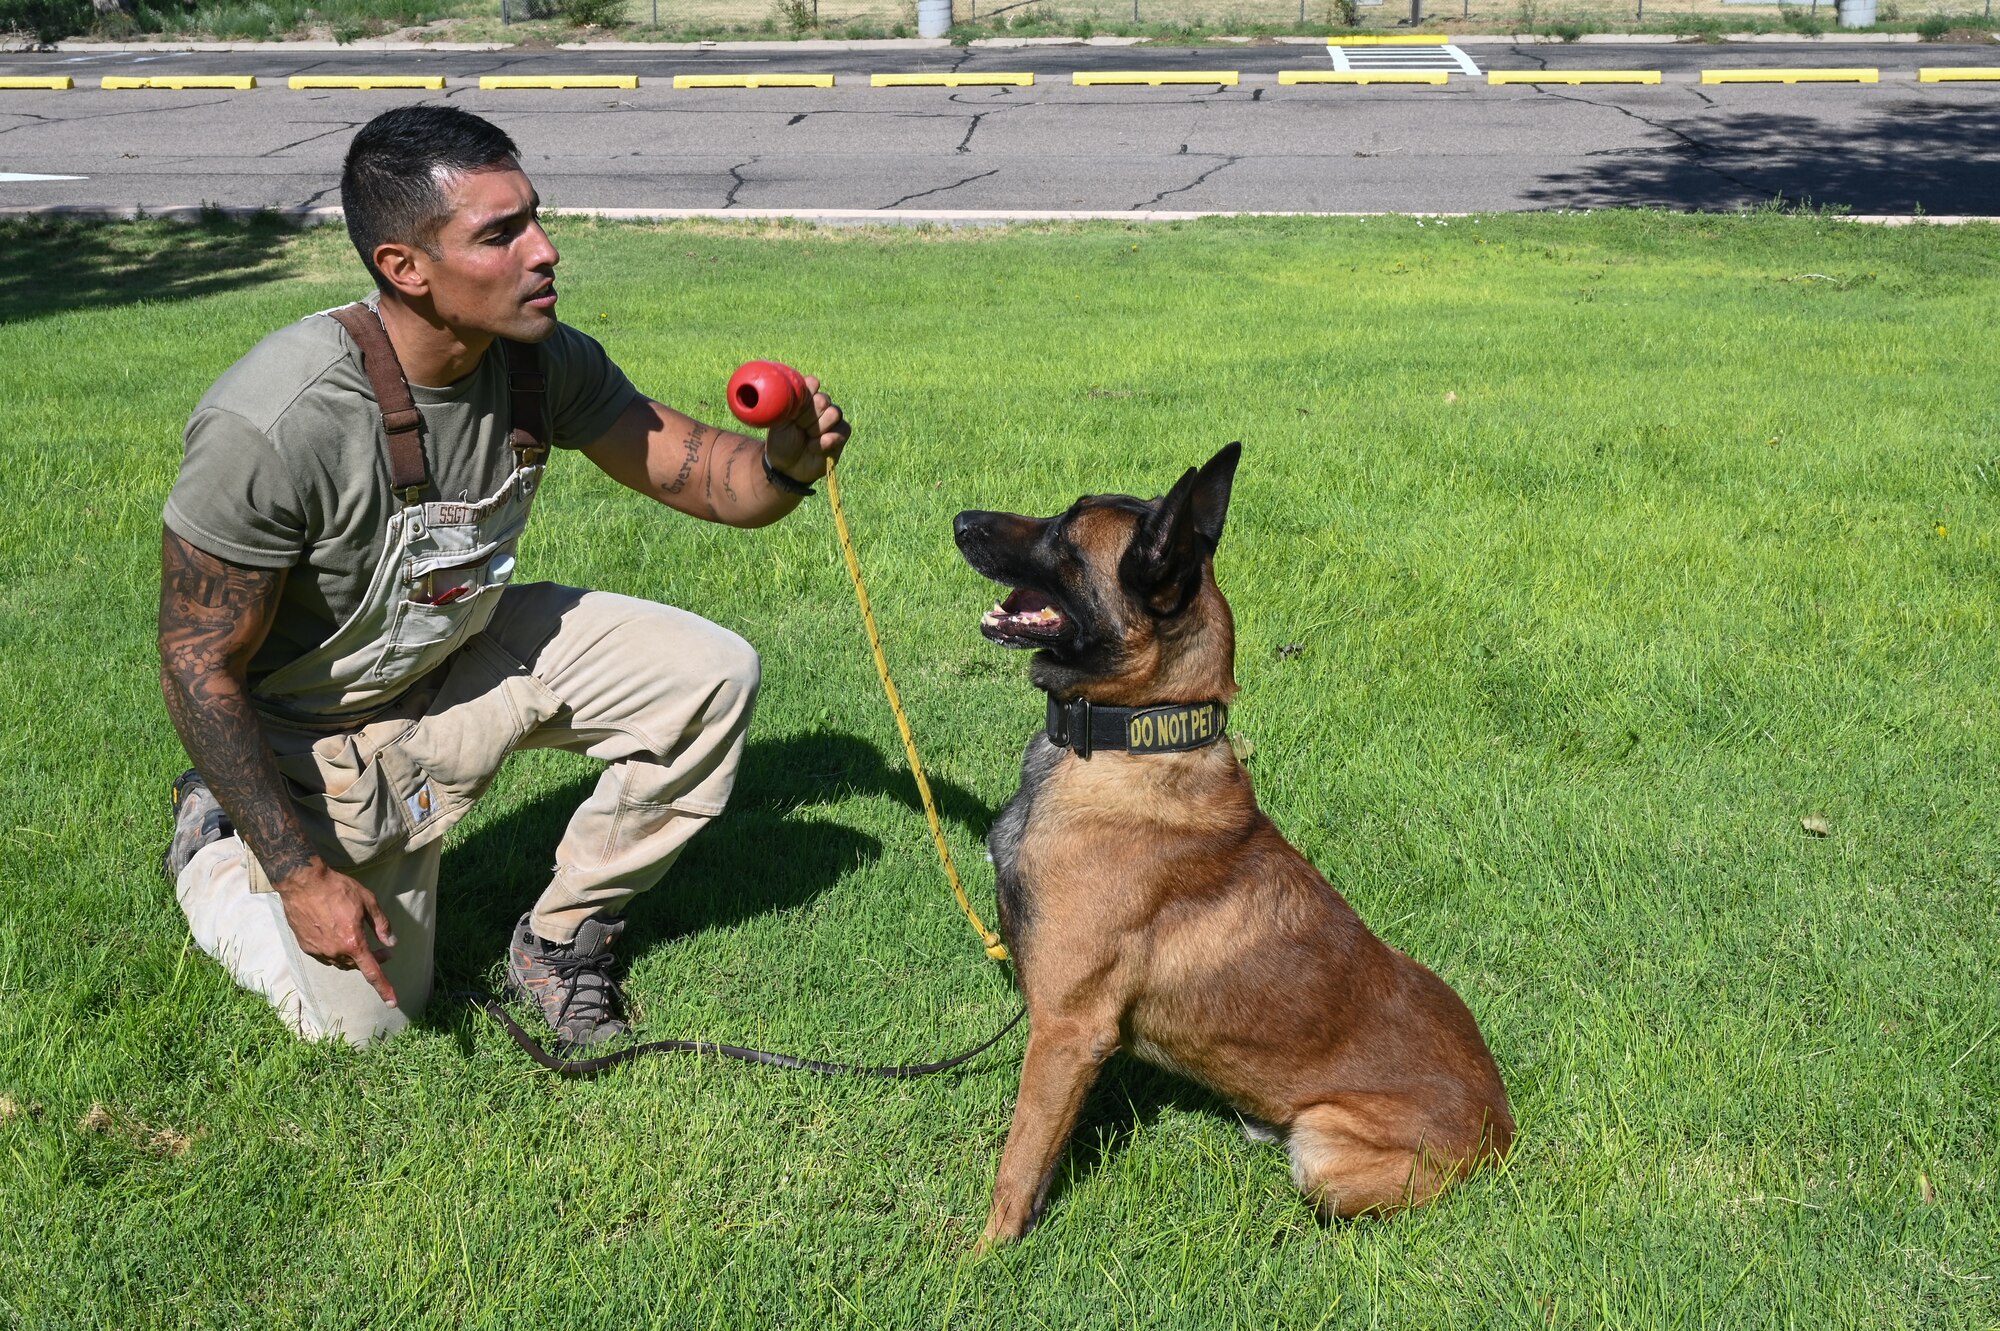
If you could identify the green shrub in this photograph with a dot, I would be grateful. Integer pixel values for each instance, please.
(592, 13)
(45, 20)
(1934, 28)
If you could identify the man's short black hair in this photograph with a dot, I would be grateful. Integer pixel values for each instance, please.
(393, 186)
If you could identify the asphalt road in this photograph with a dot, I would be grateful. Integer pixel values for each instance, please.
(1898, 147)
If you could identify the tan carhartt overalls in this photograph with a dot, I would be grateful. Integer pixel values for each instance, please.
(389, 731)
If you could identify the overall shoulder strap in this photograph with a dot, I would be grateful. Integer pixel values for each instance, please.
(528, 402)
(402, 423)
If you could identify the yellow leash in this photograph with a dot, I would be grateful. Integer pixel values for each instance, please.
(994, 947)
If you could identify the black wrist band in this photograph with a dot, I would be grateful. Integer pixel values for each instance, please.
(790, 485)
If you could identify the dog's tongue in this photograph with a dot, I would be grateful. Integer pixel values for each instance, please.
(1024, 614)
(1021, 601)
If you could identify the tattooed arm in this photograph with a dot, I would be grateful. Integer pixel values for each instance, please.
(213, 617)
(716, 474)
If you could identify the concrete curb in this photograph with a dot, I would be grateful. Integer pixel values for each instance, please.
(917, 43)
(964, 217)
(1668, 39)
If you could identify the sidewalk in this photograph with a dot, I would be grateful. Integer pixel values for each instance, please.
(938, 43)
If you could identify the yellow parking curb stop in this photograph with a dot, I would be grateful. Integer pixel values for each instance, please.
(1791, 76)
(753, 80)
(180, 82)
(1153, 78)
(1959, 74)
(490, 82)
(1572, 76)
(1291, 77)
(951, 80)
(433, 82)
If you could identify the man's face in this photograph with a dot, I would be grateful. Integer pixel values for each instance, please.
(496, 267)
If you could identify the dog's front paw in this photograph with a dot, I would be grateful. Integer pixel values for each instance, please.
(1004, 1225)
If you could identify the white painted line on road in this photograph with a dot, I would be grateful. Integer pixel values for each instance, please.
(1436, 55)
(12, 177)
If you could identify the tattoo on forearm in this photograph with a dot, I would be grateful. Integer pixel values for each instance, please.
(213, 615)
(696, 434)
(729, 470)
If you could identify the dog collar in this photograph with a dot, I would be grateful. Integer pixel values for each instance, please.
(1086, 727)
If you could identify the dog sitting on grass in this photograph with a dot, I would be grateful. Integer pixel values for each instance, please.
(1151, 906)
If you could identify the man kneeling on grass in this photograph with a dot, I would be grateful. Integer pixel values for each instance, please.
(344, 650)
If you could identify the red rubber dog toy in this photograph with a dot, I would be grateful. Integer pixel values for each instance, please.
(764, 392)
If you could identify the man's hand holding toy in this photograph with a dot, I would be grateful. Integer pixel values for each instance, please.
(804, 430)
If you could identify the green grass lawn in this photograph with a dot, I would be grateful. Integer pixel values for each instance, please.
(1575, 560)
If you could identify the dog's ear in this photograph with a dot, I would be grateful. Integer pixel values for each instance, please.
(1211, 493)
(1164, 562)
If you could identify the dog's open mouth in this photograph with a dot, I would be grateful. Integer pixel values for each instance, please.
(1025, 619)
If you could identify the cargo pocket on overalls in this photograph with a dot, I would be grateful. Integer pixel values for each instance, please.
(344, 800)
(487, 704)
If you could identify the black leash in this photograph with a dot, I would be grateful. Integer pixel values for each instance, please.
(590, 1067)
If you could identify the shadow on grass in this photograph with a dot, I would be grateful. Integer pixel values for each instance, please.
(757, 857)
(57, 264)
(1900, 158)
(1129, 1095)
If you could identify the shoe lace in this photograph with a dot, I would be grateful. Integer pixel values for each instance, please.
(588, 989)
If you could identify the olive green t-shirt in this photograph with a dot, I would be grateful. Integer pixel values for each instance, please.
(284, 465)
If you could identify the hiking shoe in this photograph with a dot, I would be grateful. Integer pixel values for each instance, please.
(570, 982)
(198, 821)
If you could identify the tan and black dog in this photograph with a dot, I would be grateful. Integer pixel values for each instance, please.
(1151, 906)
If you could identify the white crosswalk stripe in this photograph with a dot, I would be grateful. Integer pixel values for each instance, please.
(1441, 56)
